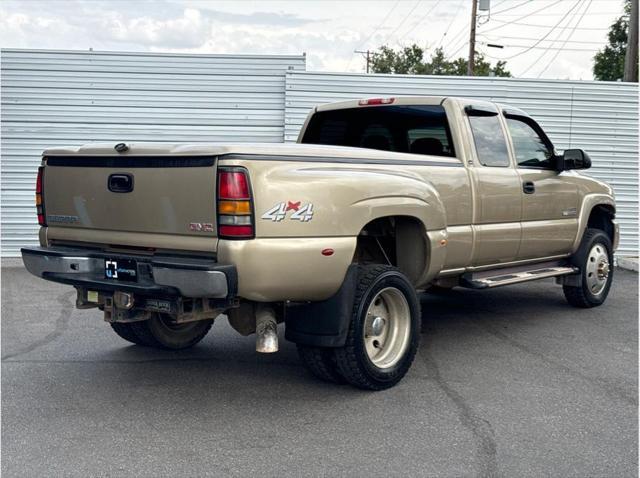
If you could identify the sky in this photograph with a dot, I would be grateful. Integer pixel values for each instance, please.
(540, 38)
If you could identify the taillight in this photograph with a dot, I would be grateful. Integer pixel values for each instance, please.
(39, 196)
(235, 210)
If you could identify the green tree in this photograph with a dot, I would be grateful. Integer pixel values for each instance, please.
(608, 63)
(411, 61)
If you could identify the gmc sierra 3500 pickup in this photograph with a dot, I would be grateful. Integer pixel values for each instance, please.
(333, 236)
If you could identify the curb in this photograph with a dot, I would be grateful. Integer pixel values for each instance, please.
(628, 263)
(12, 262)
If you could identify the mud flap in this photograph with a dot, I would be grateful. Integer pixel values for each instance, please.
(325, 323)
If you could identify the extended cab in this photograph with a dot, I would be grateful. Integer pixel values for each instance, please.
(333, 236)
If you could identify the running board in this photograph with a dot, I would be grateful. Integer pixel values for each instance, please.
(506, 277)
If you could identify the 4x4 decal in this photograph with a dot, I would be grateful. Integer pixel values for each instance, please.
(301, 212)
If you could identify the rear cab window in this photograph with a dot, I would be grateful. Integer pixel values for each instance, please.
(417, 129)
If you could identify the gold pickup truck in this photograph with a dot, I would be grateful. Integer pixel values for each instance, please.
(332, 236)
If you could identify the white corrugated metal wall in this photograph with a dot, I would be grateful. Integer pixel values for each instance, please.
(52, 98)
(600, 117)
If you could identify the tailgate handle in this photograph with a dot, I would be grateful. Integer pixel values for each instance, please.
(120, 183)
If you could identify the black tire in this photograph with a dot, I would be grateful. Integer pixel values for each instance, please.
(352, 360)
(321, 362)
(161, 333)
(582, 296)
(126, 332)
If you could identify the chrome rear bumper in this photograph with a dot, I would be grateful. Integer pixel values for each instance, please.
(155, 275)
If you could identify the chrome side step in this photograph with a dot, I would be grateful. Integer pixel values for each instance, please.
(506, 277)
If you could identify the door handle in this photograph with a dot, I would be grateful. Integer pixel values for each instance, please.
(120, 183)
(529, 187)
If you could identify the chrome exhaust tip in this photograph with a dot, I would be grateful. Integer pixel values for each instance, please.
(266, 330)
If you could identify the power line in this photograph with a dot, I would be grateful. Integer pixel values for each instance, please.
(537, 25)
(546, 34)
(375, 30)
(550, 47)
(523, 16)
(567, 39)
(496, 39)
(500, 3)
(456, 37)
(402, 22)
(458, 50)
(556, 14)
(511, 8)
(544, 48)
(450, 23)
(419, 21)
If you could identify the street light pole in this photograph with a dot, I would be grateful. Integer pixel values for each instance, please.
(472, 38)
(631, 57)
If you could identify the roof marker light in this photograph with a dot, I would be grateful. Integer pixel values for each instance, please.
(376, 101)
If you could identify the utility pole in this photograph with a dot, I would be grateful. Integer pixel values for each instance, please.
(472, 38)
(368, 56)
(631, 56)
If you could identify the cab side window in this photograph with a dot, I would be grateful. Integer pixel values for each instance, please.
(491, 146)
(530, 149)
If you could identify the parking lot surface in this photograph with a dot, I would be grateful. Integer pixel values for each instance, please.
(509, 382)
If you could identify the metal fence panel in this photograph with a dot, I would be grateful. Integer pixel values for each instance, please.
(57, 98)
(601, 117)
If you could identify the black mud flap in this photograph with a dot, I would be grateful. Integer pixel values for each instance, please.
(325, 323)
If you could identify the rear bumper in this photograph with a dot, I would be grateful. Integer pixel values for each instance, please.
(156, 275)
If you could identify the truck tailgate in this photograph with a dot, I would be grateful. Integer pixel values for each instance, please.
(168, 195)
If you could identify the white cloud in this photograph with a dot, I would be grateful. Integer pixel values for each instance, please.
(328, 31)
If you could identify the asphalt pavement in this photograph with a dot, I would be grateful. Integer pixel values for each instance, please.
(511, 382)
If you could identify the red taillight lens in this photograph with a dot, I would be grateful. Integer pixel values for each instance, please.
(39, 197)
(235, 210)
(39, 180)
(233, 185)
(236, 231)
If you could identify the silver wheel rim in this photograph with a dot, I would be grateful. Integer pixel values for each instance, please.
(387, 328)
(597, 269)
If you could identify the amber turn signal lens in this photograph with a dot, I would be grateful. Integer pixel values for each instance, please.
(234, 207)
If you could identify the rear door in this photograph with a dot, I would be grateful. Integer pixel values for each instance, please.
(159, 196)
(549, 199)
(497, 186)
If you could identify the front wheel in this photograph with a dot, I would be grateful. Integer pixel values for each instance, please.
(384, 331)
(594, 258)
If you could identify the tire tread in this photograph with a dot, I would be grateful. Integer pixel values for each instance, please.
(346, 357)
(577, 296)
(127, 332)
(145, 334)
(321, 363)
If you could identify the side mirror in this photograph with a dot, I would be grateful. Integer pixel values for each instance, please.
(574, 159)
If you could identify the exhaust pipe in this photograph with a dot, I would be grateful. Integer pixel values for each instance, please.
(266, 330)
